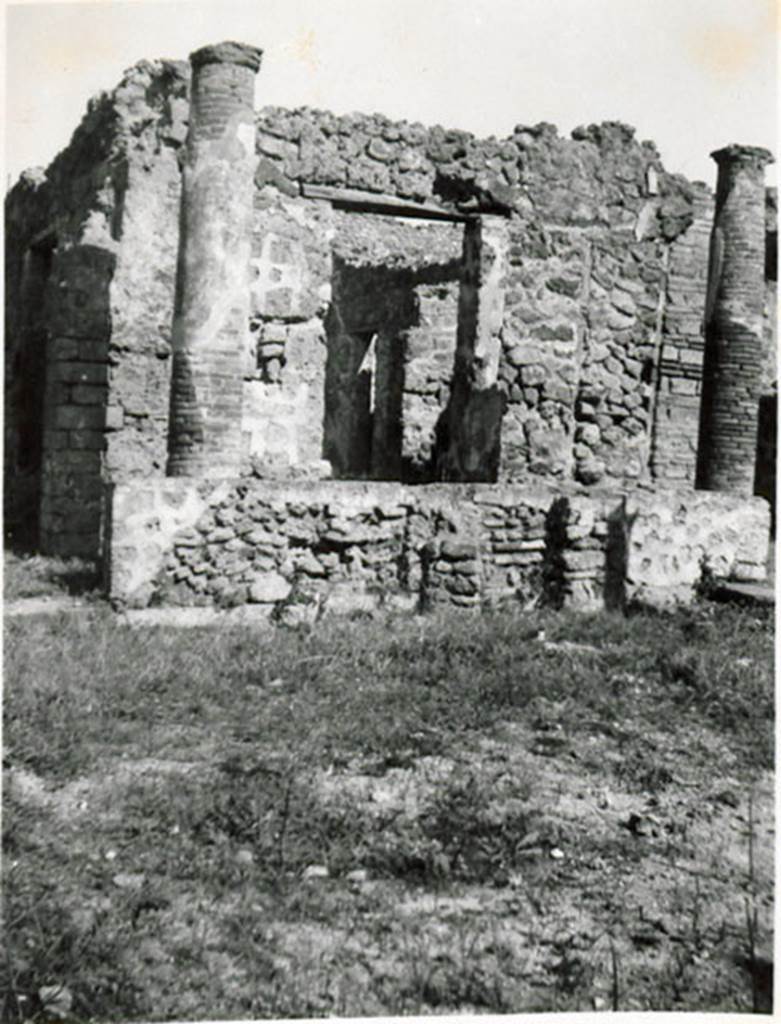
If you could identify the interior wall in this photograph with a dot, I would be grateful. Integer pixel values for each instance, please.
(391, 350)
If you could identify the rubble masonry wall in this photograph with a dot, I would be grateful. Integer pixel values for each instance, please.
(600, 340)
(178, 541)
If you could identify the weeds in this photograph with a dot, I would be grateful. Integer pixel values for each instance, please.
(466, 975)
(48, 950)
(184, 892)
(33, 576)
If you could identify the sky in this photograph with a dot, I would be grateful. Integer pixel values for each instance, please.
(693, 75)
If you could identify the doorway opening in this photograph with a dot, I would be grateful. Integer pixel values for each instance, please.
(26, 393)
(391, 352)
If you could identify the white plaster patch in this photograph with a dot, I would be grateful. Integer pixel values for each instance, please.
(245, 133)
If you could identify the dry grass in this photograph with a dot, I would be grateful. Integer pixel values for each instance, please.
(534, 825)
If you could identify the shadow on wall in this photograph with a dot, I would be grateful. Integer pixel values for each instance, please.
(619, 529)
(81, 195)
(469, 438)
(391, 347)
(767, 427)
(470, 427)
(60, 469)
(24, 410)
(765, 472)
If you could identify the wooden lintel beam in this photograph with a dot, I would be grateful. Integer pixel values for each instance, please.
(380, 202)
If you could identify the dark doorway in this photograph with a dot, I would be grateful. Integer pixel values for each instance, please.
(349, 402)
(765, 472)
(391, 349)
(26, 385)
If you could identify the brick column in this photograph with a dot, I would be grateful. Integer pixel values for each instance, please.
(211, 312)
(733, 324)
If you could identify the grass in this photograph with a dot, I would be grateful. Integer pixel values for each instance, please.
(174, 790)
(29, 575)
(394, 694)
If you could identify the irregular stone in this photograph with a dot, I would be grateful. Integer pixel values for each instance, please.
(590, 471)
(315, 872)
(346, 598)
(220, 535)
(458, 550)
(307, 563)
(269, 587)
(358, 875)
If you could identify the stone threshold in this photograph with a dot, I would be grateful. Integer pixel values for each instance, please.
(746, 593)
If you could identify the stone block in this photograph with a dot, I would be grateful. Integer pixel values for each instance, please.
(467, 567)
(269, 587)
(684, 386)
(307, 563)
(249, 614)
(220, 535)
(516, 558)
(115, 417)
(346, 598)
(588, 434)
(463, 585)
(581, 561)
(518, 355)
(458, 550)
(554, 332)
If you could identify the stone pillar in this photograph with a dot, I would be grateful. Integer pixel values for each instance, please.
(211, 311)
(733, 324)
(476, 405)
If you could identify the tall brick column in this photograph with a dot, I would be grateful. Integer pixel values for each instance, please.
(733, 324)
(211, 312)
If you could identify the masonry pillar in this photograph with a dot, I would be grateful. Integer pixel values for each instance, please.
(476, 404)
(211, 311)
(733, 324)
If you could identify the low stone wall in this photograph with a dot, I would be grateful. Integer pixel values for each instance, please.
(333, 545)
(672, 535)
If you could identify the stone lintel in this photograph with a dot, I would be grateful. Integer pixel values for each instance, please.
(381, 202)
(228, 53)
(754, 156)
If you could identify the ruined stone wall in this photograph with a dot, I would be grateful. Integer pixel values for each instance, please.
(590, 222)
(142, 293)
(599, 344)
(284, 376)
(106, 212)
(356, 545)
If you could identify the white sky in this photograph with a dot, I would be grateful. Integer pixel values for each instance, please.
(692, 75)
